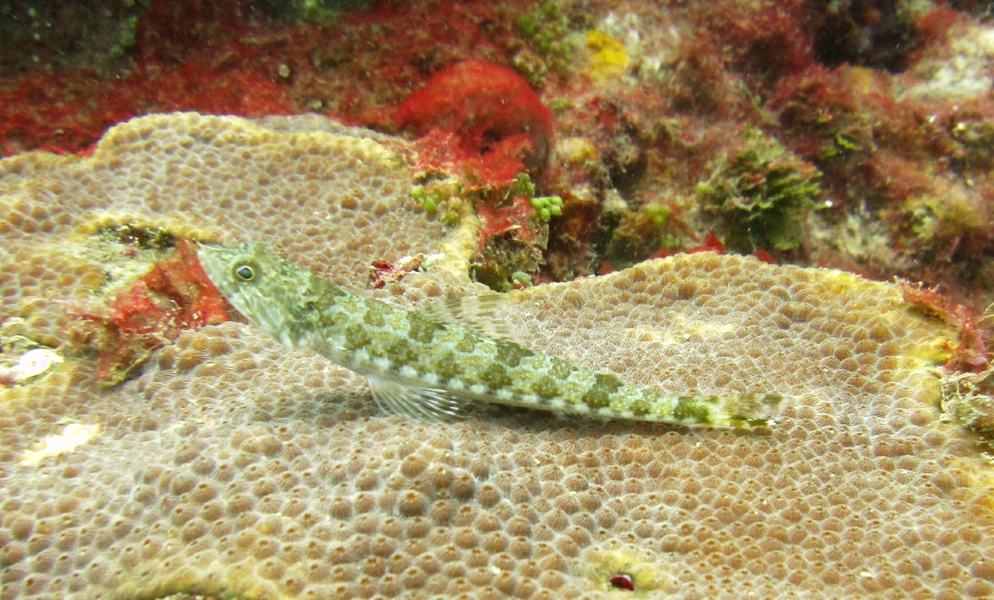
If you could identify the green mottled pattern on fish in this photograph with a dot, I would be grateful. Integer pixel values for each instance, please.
(418, 363)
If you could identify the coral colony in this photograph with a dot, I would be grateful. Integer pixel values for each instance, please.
(678, 200)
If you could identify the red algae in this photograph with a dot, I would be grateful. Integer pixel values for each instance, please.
(490, 110)
(190, 56)
(174, 296)
(231, 58)
(971, 355)
(439, 151)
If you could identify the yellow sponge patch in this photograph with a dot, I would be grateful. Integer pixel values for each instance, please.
(609, 58)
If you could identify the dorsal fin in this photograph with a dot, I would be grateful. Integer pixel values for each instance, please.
(424, 403)
(478, 313)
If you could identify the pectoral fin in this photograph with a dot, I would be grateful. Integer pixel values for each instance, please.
(424, 403)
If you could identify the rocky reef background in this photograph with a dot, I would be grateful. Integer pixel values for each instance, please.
(853, 135)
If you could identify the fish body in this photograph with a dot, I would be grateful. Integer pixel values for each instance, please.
(425, 364)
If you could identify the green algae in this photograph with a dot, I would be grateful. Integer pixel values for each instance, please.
(545, 31)
(640, 233)
(761, 193)
(546, 207)
(442, 199)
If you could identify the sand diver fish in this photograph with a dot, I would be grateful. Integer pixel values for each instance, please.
(432, 362)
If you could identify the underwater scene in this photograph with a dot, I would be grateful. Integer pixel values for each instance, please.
(484, 299)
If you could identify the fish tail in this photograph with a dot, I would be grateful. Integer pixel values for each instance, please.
(743, 410)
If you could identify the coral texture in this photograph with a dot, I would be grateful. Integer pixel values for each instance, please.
(232, 466)
(307, 185)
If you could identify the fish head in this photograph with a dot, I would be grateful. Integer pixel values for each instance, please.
(263, 287)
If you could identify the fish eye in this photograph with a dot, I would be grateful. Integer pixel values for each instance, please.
(244, 272)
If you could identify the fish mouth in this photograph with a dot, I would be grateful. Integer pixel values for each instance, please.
(215, 260)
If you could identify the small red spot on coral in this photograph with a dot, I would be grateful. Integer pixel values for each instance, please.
(971, 354)
(711, 244)
(88, 151)
(623, 581)
(382, 272)
(491, 111)
(766, 257)
(378, 269)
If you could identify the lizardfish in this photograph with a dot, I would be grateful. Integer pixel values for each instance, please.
(432, 362)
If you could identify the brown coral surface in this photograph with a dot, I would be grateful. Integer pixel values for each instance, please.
(231, 466)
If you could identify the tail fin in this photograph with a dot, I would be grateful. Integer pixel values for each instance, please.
(745, 410)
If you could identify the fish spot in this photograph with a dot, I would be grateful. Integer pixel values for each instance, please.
(599, 394)
(447, 366)
(561, 369)
(313, 306)
(423, 330)
(546, 388)
(642, 406)
(691, 410)
(467, 344)
(511, 354)
(356, 337)
(374, 316)
(496, 376)
(402, 352)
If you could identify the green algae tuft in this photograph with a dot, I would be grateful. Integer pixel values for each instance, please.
(761, 194)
